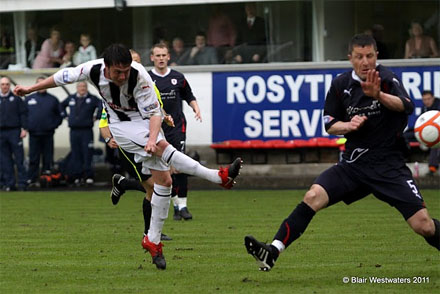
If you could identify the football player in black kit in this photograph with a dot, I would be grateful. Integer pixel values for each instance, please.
(370, 107)
(174, 89)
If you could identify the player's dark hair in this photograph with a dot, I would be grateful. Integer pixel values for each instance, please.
(117, 54)
(361, 40)
(427, 92)
(160, 45)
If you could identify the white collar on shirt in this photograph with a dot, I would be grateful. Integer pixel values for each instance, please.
(5, 95)
(356, 77)
(160, 75)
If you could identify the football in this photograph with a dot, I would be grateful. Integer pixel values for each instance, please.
(427, 129)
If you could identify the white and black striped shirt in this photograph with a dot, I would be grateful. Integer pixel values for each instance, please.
(135, 100)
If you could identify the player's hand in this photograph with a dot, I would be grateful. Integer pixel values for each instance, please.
(151, 147)
(198, 115)
(356, 122)
(168, 119)
(21, 90)
(23, 134)
(371, 86)
(112, 144)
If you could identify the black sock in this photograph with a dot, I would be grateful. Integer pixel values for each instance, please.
(434, 241)
(295, 224)
(180, 185)
(130, 184)
(146, 208)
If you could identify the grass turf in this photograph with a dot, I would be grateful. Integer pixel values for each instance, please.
(78, 242)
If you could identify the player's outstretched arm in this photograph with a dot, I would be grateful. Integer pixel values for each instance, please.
(342, 128)
(47, 83)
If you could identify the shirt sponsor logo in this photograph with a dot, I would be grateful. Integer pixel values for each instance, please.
(151, 106)
(372, 109)
(65, 76)
(32, 102)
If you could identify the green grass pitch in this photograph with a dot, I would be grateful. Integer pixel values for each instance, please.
(78, 242)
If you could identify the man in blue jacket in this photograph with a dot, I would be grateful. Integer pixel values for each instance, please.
(84, 109)
(43, 118)
(12, 131)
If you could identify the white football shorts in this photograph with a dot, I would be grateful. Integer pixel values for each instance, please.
(132, 136)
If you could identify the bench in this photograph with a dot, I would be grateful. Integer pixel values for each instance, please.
(292, 151)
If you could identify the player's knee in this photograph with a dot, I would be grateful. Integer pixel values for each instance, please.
(423, 226)
(315, 199)
(163, 179)
(167, 182)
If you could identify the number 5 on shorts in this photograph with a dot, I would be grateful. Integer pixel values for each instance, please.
(413, 188)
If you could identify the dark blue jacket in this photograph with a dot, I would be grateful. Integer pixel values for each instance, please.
(434, 106)
(12, 112)
(82, 111)
(43, 112)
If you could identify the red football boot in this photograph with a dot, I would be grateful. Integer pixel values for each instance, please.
(229, 173)
(156, 252)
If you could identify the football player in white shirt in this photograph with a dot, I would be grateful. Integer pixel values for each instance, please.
(135, 119)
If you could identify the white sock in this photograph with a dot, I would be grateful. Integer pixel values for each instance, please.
(160, 204)
(278, 245)
(182, 202)
(175, 201)
(187, 165)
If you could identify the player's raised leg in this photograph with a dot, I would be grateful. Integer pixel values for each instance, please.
(225, 176)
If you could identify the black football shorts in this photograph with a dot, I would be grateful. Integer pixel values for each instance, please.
(390, 181)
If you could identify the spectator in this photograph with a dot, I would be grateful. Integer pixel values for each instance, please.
(431, 103)
(32, 46)
(12, 131)
(51, 51)
(221, 34)
(419, 45)
(43, 117)
(86, 51)
(251, 37)
(177, 51)
(377, 33)
(6, 51)
(200, 53)
(69, 52)
(84, 109)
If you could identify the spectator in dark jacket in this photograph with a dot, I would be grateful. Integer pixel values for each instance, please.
(43, 118)
(32, 46)
(84, 110)
(251, 39)
(12, 131)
